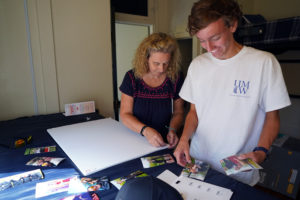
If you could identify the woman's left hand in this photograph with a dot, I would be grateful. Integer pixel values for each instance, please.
(172, 139)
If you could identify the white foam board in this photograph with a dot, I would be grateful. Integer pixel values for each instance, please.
(99, 144)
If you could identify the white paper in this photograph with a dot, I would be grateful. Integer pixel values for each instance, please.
(52, 187)
(99, 144)
(75, 186)
(168, 177)
(192, 189)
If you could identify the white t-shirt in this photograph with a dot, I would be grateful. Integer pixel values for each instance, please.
(231, 98)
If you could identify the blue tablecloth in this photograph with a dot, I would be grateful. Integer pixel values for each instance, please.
(12, 161)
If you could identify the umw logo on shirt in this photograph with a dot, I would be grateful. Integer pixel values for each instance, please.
(241, 87)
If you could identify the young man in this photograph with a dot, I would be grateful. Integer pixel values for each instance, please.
(235, 93)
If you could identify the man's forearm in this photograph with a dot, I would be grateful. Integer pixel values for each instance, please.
(270, 129)
(190, 125)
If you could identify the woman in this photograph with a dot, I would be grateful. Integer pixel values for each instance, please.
(150, 104)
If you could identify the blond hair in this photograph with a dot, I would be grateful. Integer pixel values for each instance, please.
(157, 42)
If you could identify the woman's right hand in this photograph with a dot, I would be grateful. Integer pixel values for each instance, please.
(154, 137)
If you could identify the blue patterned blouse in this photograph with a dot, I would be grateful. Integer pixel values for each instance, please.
(152, 106)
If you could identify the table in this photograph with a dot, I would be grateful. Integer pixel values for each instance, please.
(12, 161)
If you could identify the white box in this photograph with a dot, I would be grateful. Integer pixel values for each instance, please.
(79, 108)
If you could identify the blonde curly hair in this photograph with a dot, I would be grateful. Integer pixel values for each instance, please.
(157, 42)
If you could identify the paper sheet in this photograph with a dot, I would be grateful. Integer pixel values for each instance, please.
(192, 189)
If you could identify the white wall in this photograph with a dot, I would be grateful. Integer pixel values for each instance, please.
(83, 52)
(16, 92)
(71, 52)
(43, 55)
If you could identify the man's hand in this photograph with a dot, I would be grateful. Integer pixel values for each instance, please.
(182, 154)
(257, 156)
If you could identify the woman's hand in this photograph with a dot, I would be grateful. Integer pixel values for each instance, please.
(154, 137)
(172, 139)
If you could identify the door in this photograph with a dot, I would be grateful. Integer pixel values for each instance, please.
(128, 38)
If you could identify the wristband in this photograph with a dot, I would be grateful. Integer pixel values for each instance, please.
(142, 130)
(171, 129)
(261, 149)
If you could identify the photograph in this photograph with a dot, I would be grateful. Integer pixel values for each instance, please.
(153, 161)
(45, 161)
(196, 169)
(233, 165)
(119, 182)
(95, 183)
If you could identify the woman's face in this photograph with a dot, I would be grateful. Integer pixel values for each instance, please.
(158, 63)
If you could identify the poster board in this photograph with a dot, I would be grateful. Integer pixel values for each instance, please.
(99, 144)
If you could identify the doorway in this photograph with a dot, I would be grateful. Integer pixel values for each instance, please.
(128, 37)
